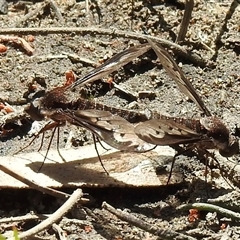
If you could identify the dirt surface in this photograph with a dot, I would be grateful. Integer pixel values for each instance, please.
(213, 34)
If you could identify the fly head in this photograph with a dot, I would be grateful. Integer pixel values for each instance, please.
(220, 136)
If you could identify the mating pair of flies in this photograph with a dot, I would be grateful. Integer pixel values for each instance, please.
(131, 130)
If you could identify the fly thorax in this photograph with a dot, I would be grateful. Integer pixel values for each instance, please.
(55, 98)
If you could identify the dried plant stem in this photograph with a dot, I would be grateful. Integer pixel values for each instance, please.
(112, 32)
(55, 8)
(74, 198)
(162, 233)
(27, 217)
(211, 208)
(32, 184)
(185, 20)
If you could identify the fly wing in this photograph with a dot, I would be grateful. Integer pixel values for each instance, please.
(112, 129)
(175, 72)
(113, 64)
(166, 132)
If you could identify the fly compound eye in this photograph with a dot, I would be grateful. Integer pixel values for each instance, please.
(231, 150)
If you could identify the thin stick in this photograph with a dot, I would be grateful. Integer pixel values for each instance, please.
(87, 6)
(31, 14)
(27, 217)
(185, 21)
(132, 12)
(125, 91)
(162, 233)
(13, 116)
(20, 219)
(211, 208)
(75, 57)
(59, 230)
(66, 207)
(55, 8)
(224, 28)
(32, 184)
(112, 32)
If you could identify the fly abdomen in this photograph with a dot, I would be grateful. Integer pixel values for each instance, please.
(131, 116)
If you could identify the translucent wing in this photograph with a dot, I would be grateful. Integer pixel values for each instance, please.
(113, 64)
(178, 76)
(112, 129)
(166, 132)
(57, 97)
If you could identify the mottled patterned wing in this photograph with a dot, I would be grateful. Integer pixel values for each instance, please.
(113, 64)
(112, 129)
(166, 132)
(175, 72)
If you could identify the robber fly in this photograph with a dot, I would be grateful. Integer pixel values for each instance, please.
(109, 124)
(205, 133)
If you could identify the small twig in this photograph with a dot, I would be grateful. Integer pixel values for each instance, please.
(125, 91)
(185, 21)
(77, 58)
(228, 170)
(20, 41)
(12, 117)
(202, 234)
(35, 12)
(203, 43)
(224, 28)
(229, 14)
(162, 233)
(230, 199)
(87, 6)
(46, 58)
(27, 217)
(211, 208)
(56, 216)
(33, 185)
(122, 90)
(55, 8)
(112, 32)
(132, 12)
(31, 14)
(61, 233)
